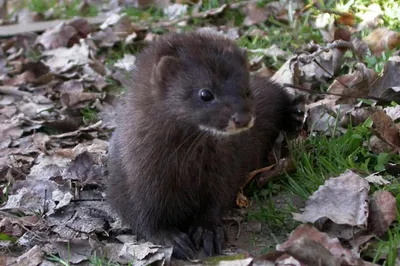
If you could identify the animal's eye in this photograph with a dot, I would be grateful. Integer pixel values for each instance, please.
(206, 95)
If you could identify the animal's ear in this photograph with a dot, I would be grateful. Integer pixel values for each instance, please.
(164, 69)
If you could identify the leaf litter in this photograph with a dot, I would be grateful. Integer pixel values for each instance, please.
(52, 161)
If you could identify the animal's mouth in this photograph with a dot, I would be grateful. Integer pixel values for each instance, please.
(230, 130)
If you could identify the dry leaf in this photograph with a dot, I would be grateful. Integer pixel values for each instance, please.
(63, 59)
(388, 84)
(254, 14)
(33, 257)
(74, 251)
(311, 252)
(242, 201)
(342, 199)
(312, 247)
(356, 84)
(145, 253)
(377, 145)
(57, 37)
(284, 165)
(106, 38)
(386, 129)
(11, 227)
(309, 232)
(381, 39)
(346, 19)
(341, 231)
(78, 99)
(377, 179)
(382, 212)
(393, 112)
(356, 117)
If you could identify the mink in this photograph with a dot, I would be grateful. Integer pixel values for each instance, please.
(189, 129)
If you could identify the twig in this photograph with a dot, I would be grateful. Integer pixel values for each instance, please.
(79, 200)
(330, 74)
(307, 58)
(11, 90)
(336, 94)
(76, 132)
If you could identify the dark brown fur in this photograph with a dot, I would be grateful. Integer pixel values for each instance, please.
(170, 181)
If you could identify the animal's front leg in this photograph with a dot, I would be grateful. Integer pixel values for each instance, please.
(208, 232)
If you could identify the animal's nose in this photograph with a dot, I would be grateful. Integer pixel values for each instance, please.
(241, 119)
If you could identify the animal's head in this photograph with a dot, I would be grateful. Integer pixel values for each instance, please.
(203, 79)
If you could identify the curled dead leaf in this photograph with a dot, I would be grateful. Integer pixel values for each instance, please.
(242, 200)
(388, 84)
(342, 199)
(356, 84)
(56, 37)
(382, 212)
(386, 129)
(311, 233)
(381, 39)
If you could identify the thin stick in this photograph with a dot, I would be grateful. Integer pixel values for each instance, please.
(336, 94)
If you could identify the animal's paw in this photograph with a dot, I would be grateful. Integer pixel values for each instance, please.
(183, 247)
(211, 238)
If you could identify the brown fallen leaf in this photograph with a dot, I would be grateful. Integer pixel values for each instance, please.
(284, 165)
(341, 199)
(388, 84)
(347, 19)
(82, 26)
(312, 247)
(34, 256)
(381, 39)
(377, 145)
(78, 99)
(356, 84)
(322, 116)
(385, 128)
(57, 37)
(256, 172)
(10, 227)
(143, 253)
(74, 250)
(254, 14)
(382, 212)
(311, 252)
(84, 171)
(105, 38)
(311, 233)
(356, 117)
(242, 201)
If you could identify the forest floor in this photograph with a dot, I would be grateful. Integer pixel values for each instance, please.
(332, 196)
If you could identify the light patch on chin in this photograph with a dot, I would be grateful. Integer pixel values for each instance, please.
(229, 130)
